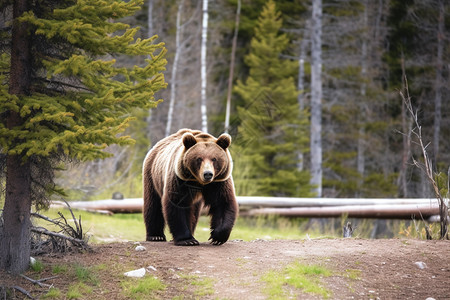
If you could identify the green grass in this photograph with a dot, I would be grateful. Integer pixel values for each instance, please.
(53, 293)
(37, 266)
(130, 227)
(142, 288)
(354, 274)
(78, 290)
(59, 269)
(85, 274)
(203, 286)
(299, 276)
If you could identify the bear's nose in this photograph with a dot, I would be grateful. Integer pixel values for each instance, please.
(208, 175)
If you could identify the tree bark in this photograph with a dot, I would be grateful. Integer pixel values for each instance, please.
(362, 116)
(439, 80)
(316, 97)
(203, 66)
(15, 238)
(301, 88)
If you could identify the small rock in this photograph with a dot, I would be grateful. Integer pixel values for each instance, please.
(136, 273)
(32, 261)
(420, 264)
(151, 268)
(140, 248)
(430, 298)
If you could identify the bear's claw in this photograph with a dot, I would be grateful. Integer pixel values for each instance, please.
(156, 238)
(216, 243)
(219, 237)
(190, 242)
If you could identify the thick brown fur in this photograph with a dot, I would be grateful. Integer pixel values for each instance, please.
(182, 173)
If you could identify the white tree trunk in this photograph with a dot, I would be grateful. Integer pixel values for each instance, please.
(150, 19)
(203, 66)
(173, 79)
(230, 79)
(316, 97)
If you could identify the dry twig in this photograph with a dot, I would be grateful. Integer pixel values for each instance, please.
(427, 166)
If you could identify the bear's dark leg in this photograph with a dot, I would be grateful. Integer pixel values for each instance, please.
(195, 214)
(153, 215)
(178, 213)
(223, 210)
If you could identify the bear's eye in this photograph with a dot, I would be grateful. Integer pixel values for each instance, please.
(199, 160)
(214, 159)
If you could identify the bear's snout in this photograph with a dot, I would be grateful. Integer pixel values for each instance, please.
(208, 175)
(207, 171)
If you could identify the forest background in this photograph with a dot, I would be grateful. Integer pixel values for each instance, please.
(367, 49)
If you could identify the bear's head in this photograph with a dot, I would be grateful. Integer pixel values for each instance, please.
(205, 158)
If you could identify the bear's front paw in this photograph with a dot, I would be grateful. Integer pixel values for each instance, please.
(219, 237)
(189, 242)
(156, 238)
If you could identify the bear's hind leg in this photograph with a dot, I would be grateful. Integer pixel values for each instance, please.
(153, 215)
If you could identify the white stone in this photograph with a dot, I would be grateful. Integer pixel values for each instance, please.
(136, 273)
(151, 268)
(140, 248)
(420, 264)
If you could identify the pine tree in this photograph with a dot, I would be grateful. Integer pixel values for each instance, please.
(64, 96)
(272, 128)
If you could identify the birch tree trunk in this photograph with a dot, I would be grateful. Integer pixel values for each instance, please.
(316, 97)
(439, 80)
(203, 66)
(230, 79)
(173, 79)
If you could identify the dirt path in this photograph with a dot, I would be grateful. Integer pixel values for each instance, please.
(361, 269)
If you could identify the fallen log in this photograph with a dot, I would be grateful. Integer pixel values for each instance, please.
(291, 207)
(130, 205)
(321, 202)
(406, 211)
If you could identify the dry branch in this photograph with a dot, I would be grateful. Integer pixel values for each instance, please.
(77, 242)
(58, 240)
(39, 281)
(23, 291)
(427, 166)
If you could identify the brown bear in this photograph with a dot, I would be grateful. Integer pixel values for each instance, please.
(182, 173)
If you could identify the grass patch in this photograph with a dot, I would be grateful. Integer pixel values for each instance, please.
(85, 274)
(298, 276)
(59, 269)
(78, 290)
(354, 274)
(53, 293)
(37, 266)
(203, 286)
(142, 288)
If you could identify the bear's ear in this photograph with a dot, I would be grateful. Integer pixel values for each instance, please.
(188, 140)
(224, 141)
